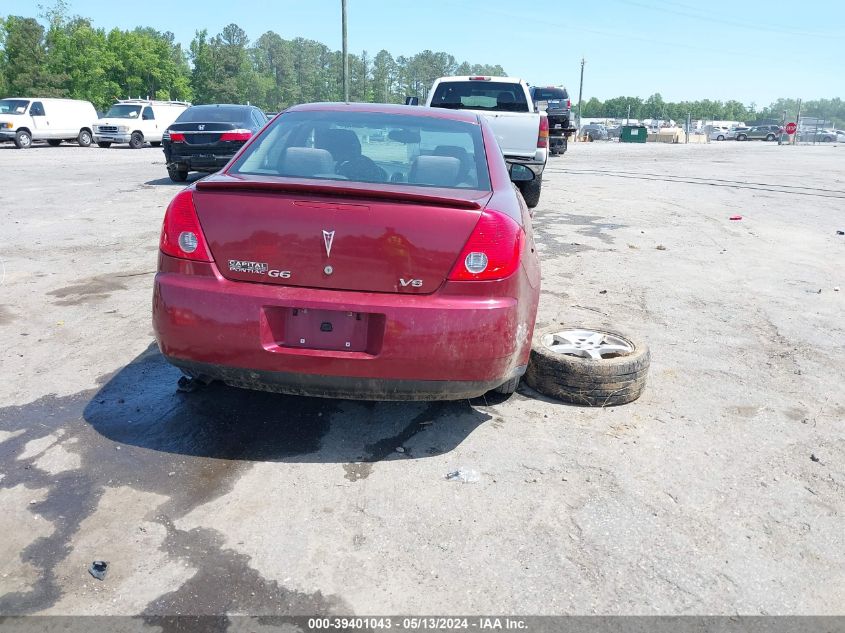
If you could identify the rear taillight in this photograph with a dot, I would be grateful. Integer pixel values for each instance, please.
(236, 135)
(568, 104)
(177, 137)
(543, 136)
(493, 251)
(181, 234)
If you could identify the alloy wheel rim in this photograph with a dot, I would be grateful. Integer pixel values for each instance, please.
(591, 344)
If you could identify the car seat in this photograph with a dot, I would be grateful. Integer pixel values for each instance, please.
(436, 171)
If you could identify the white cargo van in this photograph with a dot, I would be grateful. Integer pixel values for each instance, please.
(27, 119)
(137, 121)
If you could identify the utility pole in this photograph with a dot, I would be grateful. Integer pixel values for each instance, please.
(798, 123)
(628, 118)
(345, 53)
(580, 93)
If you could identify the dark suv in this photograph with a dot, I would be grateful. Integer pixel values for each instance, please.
(559, 107)
(205, 137)
(760, 133)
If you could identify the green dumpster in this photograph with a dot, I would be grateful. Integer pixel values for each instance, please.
(633, 134)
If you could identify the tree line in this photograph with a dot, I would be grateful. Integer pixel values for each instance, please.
(70, 57)
(654, 107)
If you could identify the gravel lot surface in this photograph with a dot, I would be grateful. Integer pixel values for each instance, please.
(720, 491)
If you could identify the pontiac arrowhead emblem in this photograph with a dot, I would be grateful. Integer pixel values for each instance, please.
(328, 238)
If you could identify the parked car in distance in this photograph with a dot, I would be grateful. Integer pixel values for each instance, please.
(205, 137)
(559, 106)
(760, 133)
(319, 263)
(27, 119)
(521, 130)
(718, 132)
(594, 132)
(137, 121)
(736, 131)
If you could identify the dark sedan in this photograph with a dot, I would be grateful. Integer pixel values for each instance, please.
(205, 137)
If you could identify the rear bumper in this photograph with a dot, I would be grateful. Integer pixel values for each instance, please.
(210, 163)
(346, 387)
(420, 347)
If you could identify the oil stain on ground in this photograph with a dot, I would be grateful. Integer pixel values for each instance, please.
(136, 430)
(93, 289)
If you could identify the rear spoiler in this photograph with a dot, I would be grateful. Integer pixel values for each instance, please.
(397, 194)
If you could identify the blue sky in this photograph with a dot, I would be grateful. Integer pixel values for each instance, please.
(746, 50)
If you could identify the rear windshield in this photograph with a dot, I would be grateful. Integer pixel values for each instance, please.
(13, 106)
(548, 94)
(123, 111)
(480, 95)
(214, 114)
(370, 147)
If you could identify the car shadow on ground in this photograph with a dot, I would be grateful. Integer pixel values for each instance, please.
(192, 177)
(140, 406)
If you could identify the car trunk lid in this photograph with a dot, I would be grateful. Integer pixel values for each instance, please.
(334, 234)
(200, 133)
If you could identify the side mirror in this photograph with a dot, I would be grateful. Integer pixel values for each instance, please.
(520, 173)
(412, 101)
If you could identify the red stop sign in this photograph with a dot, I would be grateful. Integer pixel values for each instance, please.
(790, 128)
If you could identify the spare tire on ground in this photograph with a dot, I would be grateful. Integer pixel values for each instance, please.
(596, 367)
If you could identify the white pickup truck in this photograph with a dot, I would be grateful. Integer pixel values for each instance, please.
(522, 131)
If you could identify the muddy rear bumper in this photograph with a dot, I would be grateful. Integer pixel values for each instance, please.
(350, 388)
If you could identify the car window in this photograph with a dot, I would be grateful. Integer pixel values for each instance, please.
(214, 114)
(258, 119)
(148, 114)
(13, 106)
(480, 95)
(370, 147)
(123, 111)
(547, 94)
(37, 109)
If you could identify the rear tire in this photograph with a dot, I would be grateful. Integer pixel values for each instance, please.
(54, 142)
(741, 137)
(508, 387)
(531, 191)
(136, 141)
(720, 138)
(84, 139)
(23, 140)
(104, 144)
(177, 175)
(770, 137)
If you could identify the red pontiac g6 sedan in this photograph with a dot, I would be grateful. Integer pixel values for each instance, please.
(353, 251)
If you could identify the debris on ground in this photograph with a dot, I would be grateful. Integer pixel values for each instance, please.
(660, 247)
(464, 475)
(602, 292)
(98, 569)
(735, 217)
(836, 289)
(840, 232)
(814, 458)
